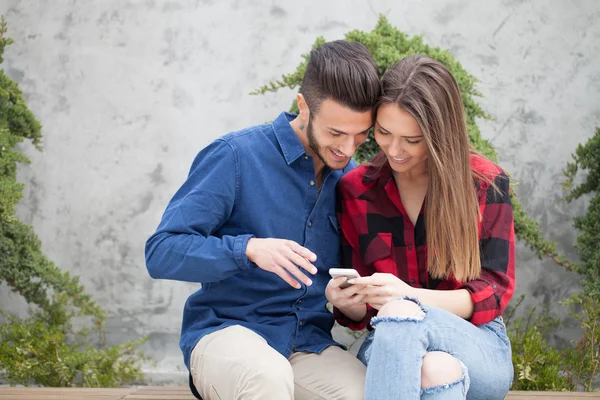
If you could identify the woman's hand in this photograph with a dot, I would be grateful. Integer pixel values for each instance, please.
(380, 288)
(346, 300)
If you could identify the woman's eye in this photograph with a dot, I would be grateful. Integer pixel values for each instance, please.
(382, 132)
(413, 141)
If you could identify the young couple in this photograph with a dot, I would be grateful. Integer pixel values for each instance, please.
(266, 212)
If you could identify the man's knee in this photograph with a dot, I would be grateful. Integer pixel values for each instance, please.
(236, 362)
(439, 368)
(273, 375)
(335, 374)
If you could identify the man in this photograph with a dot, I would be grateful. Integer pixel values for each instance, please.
(255, 224)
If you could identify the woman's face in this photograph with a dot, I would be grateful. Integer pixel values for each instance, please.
(400, 138)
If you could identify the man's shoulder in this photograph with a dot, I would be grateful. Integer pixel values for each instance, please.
(247, 136)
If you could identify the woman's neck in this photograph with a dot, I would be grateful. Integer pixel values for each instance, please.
(417, 175)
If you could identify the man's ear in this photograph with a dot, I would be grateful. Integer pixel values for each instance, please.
(303, 107)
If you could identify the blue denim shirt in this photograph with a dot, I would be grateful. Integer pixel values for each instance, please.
(258, 182)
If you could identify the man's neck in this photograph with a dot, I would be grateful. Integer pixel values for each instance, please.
(300, 130)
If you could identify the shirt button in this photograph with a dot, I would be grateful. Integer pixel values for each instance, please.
(300, 301)
(494, 286)
(309, 224)
(412, 281)
(312, 183)
(301, 323)
(305, 157)
(410, 247)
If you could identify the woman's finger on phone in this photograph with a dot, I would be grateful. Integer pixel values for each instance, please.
(352, 290)
(371, 290)
(356, 299)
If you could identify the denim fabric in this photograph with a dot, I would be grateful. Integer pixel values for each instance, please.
(258, 182)
(393, 354)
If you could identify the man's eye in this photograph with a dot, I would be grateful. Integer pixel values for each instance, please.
(335, 134)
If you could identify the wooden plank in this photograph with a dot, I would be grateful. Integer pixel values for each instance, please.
(81, 391)
(523, 395)
(42, 393)
(183, 393)
(63, 396)
(163, 393)
(159, 397)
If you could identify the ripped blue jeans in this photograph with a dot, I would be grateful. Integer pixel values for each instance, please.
(394, 351)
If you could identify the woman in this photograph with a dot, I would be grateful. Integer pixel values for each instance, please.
(428, 224)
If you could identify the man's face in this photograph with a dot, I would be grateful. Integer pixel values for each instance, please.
(336, 131)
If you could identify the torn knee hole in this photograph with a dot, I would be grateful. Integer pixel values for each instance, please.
(405, 307)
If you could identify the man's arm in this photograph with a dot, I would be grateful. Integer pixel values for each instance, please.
(183, 247)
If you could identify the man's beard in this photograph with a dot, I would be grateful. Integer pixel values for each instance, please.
(312, 141)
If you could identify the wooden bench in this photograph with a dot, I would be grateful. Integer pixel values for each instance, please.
(183, 393)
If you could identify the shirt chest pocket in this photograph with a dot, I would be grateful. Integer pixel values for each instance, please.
(329, 242)
(376, 251)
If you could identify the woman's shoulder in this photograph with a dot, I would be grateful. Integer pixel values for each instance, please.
(485, 167)
(488, 174)
(353, 181)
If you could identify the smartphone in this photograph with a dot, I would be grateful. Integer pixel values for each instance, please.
(347, 272)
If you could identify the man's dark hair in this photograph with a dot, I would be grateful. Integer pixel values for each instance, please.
(344, 72)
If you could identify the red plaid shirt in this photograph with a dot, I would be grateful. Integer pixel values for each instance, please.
(378, 236)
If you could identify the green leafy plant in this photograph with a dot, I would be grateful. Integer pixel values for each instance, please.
(44, 348)
(540, 366)
(586, 159)
(582, 362)
(537, 365)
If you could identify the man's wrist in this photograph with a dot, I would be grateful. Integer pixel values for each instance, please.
(249, 248)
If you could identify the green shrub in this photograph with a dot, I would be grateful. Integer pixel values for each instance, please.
(540, 366)
(587, 159)
(582, 362)
(44, 349)
(537, 365)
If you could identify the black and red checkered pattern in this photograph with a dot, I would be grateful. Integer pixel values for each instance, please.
(378, 236)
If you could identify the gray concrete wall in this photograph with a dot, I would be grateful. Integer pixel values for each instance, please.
(129, 91)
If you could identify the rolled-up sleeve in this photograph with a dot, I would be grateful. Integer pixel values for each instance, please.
(495, 287)
(184, 246)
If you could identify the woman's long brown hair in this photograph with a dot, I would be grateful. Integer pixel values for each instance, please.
(426, 89)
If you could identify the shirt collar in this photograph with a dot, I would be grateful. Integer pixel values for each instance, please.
(290, 145)
(376, 176)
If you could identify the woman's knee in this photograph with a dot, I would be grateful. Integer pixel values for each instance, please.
(401, 308)
(439, 368)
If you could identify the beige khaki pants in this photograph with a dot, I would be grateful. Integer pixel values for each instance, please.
(236, 363)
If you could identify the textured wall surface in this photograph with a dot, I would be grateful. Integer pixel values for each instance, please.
(129, 91)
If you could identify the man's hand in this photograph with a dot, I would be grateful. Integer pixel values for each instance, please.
(282, 257)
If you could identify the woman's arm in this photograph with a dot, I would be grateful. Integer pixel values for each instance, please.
(457, 302)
